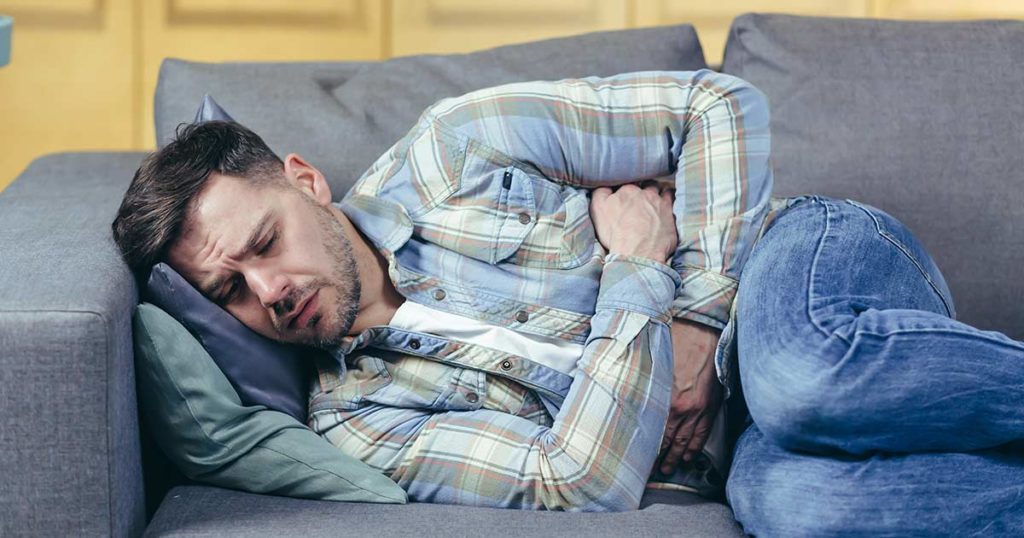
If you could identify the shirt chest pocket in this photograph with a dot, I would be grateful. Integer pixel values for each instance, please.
(388, 377)
(502, 214)
(364, 376)
(422, 383)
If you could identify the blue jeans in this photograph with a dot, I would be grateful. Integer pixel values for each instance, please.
(874, 411)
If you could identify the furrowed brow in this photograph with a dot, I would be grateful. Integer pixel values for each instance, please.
(211, 289)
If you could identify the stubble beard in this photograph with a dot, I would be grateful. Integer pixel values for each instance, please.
(344, 279)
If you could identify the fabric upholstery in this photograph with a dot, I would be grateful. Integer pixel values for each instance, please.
(203, 511)
(920, 119)
(341, 116)
(210, 109)
(69, 432)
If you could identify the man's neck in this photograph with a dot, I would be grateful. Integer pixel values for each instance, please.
(379, 299)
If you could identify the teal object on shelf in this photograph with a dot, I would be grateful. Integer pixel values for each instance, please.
(6, 23)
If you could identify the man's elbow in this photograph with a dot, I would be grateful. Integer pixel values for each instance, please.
(584, 495)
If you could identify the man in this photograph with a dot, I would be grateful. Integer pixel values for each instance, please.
(485, 250)
(482, 211)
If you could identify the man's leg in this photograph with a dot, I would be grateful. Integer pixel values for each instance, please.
(845, 341)
(776, 492)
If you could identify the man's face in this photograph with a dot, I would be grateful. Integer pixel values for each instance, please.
(273, 256)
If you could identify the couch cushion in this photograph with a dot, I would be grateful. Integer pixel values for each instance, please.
(202, 426)
(920, 119)
(206, 511)
(342, 116)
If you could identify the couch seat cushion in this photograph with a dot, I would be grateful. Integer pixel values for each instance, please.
(210, 511)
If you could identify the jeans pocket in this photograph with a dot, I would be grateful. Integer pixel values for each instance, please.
(897, 233)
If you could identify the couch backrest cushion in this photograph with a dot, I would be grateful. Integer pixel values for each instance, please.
(342, 116)
(921, 119)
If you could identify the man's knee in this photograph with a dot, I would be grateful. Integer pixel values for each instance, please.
(774, 492)
(792, 400)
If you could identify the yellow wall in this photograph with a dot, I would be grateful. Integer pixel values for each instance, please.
(82, 72)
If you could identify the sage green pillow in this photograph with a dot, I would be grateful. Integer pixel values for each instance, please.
(202, 426)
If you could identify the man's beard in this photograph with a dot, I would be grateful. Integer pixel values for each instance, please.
(339, 248)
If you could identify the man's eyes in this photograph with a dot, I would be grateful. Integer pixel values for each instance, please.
(266, 247)
(236, 282)
(232, 291)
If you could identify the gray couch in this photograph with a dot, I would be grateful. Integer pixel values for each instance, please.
(921, 119)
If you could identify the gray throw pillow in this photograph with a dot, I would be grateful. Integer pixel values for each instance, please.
(210, 110)
(262, 371)
(199, 422)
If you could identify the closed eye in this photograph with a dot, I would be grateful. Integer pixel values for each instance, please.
(232, 291)
(266, 247)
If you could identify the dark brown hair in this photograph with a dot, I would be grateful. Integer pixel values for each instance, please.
(158, 200)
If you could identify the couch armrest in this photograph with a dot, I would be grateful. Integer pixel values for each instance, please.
(69, 432)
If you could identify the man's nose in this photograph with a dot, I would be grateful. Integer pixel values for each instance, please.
(269, 285)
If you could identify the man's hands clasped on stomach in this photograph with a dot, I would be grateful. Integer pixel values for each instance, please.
(635, 221)
(638, 220)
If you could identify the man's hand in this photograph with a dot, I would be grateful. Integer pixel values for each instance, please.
(696, 392)
(635, 221)
(638, 220)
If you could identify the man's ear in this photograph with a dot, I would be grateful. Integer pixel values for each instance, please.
(307, 178)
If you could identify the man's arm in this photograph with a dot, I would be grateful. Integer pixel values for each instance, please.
(708, 132)
(703, 133)
(597, 454)
(696, 392)
(603, 442)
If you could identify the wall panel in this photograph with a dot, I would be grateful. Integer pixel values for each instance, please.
(251, 30)
(712, 19)
(439, 26)
(69, 85)
(949, 9)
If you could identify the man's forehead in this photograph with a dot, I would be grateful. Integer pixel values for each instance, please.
(219, 222)
(222, 200)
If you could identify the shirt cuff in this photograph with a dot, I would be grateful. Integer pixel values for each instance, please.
(705, 297)
(638, 284)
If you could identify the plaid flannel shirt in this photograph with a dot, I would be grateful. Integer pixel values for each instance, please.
(482, 210)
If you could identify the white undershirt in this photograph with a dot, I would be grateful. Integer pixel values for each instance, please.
(552, 352)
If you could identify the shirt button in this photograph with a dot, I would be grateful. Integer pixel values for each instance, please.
(414, 343)
(472, 397)
(439, 294)
(522, 316)
(506, 365)
(524, 218)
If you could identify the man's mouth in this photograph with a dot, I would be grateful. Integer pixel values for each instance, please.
(304, 311)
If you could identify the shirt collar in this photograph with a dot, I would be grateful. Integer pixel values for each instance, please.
(384, 222)
(350, 343)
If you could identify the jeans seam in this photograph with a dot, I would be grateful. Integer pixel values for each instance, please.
(861, 332)
(906, 252)
(814, 273)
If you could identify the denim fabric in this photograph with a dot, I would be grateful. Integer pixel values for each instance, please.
(874, 411)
